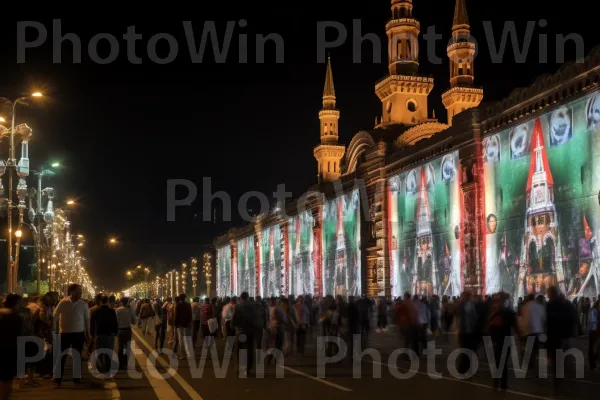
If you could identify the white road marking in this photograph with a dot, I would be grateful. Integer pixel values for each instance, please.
(182, 382)
(462, 381)
(161, 387)
(112, 390)
(320, 380)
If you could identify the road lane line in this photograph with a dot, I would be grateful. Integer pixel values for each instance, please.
(320, 380)
(461, 381)
(182, 382)
(161, 387)
(112, 390)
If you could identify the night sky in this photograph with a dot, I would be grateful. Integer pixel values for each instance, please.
(122, 130)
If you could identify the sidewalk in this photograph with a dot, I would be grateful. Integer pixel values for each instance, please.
(90, 388)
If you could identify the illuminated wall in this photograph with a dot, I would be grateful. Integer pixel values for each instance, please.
(542, 181)
(300, 254)
(246, 266)
(341, 246)
(423, 215)
(224, 271)
(271, 262)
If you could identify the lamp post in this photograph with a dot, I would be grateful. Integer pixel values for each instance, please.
(22, 170)
(38, 217)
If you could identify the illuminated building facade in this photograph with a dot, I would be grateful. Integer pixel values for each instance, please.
(502, 198)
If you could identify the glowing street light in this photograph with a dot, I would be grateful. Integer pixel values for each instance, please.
(55, 165)
(19, 233)
(112, 241)
(36, 94)
(70, 202)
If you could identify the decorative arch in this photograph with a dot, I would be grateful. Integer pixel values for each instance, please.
(418, 133)
(359, 144)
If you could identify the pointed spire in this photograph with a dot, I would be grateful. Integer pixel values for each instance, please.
(460, 14)
(329, 90)
(587, 231)
(539, 164)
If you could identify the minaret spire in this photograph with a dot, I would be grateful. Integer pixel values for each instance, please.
(461, 18)
(461, 52)
(329, 154)
(329, 90)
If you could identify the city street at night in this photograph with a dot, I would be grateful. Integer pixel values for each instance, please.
(300, 378)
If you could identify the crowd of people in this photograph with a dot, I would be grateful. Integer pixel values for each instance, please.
(283, 324)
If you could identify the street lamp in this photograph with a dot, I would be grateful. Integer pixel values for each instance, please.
(22, 169)
(112, 241)
(38, 215)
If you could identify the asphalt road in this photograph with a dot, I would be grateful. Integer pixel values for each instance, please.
(381, 374)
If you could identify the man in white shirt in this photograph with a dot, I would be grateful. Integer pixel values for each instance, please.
(71, 316)
(125, 318)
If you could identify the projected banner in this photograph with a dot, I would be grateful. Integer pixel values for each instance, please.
(224, 271)
(300, 253)
(341, 246)
(246, 266)
(424, 214)
(271, 262)
(542, 182)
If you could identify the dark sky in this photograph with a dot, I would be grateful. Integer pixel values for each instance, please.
(122, 130)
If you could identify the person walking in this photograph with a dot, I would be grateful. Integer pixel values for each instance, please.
(11, 327)
(246, 322)
(125, 319)
(104, 327)
(160, 325)
(502, 321)
(196, 319)
(146, 315)
(71, 321)
(208, 313)
(183, 323)
(592, 325)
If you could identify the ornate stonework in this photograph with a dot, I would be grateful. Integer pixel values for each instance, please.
(373, 157)
(419, 132)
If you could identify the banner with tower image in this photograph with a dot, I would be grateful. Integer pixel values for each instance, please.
(246, 266)
(424, 217)
(542, 203)
(300, 253)
(341, 246)
(271, 262)
(224, 271)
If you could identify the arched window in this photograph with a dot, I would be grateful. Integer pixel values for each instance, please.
(399, 46)
(534, 263)
(325, 128)
(548, 255)
(328, 166)
(460, 66)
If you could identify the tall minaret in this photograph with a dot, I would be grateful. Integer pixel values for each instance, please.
(328, 153)
(403, 93)
(461, 52)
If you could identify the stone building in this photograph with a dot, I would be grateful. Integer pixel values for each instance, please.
(421, 206)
